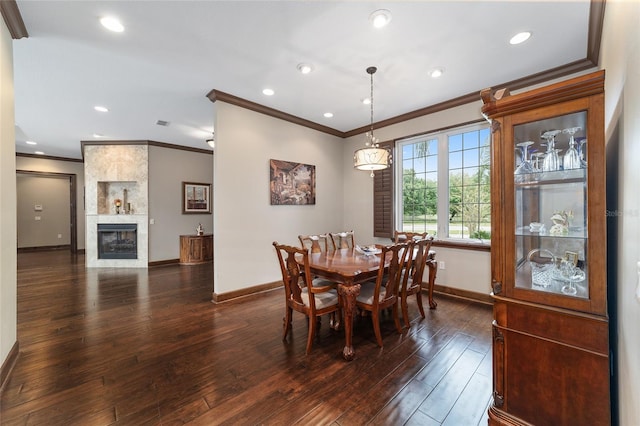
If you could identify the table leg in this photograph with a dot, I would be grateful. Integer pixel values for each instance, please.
(433, 268)
(348, 293)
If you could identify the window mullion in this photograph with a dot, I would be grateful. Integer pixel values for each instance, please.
(443, 186)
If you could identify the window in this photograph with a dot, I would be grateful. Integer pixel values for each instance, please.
(443, 183)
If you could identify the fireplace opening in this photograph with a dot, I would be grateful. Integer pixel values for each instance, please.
(118, 241)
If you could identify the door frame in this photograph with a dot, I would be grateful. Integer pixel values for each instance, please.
(73, 225)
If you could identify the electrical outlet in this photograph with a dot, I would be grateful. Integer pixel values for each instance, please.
(441, 264)
(59, 235)
(152, 221)
(38, 218)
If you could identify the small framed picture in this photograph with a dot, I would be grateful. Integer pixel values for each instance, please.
(196, 198)
(571, 257)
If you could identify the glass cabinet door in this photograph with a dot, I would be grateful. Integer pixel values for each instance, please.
(550, 184)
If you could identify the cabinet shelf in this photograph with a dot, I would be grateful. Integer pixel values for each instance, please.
(554, 284)
(550, 178)
(577, 234)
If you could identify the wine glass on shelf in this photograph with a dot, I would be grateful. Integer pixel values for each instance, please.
(525, 165)
(573, 274)
(551, 161)
(571, 158)
(537, 159)
(582, 152)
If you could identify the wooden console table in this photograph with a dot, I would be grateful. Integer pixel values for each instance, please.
(196, 249)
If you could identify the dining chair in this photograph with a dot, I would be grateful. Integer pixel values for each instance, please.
(383, 293)
(315, 243)
(412, 277)
(341, 240)
(300, 294)
(401, 236)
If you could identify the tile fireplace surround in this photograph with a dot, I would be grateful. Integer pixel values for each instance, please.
(118, 171)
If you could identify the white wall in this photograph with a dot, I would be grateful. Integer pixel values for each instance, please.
(8, 224)
(245, 224)
(60, 166)
(168, 168)
(475, 276)
(620, 57)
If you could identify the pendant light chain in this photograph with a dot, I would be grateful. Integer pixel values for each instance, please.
(371, 71)
(372, 140)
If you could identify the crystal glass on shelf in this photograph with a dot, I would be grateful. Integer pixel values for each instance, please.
(551, 161)
(571, 158)
(572, 274)
(536, 162)
(525, 165)
(560, 165)
(582, 152)
(542, 263)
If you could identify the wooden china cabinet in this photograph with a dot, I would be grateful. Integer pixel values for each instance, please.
(548, 254)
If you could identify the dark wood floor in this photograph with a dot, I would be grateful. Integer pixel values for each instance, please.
(147, 347)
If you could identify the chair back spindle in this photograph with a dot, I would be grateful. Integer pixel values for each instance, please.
(343, 240)
(315, 243)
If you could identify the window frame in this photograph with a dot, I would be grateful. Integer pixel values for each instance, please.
(442, 136)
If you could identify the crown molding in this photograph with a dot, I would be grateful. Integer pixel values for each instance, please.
(216, 95)
(594, 37)
(143, 142)
(13, 19)
(48, 157)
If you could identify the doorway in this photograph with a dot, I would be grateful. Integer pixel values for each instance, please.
(46, 210)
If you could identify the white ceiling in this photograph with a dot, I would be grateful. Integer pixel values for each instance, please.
(173, 53)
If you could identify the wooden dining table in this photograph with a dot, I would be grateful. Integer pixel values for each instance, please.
(348, 267)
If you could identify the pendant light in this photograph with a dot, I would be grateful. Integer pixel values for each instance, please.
(371, 157)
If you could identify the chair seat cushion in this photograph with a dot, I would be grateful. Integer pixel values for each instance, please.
(366, 293)
(323, 300)
(321, 282)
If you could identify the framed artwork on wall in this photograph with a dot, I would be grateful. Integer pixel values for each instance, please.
(292, 183)
(196, 197)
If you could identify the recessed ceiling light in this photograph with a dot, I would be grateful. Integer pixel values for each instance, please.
(97, 135)
(101, 108)
(366, 101)
(305, 68)
(268, 92)
(39, 152)
(435, 73)
(520, 37)
(380, 18)
(328, 114)
(112, 24)
(32, 143)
